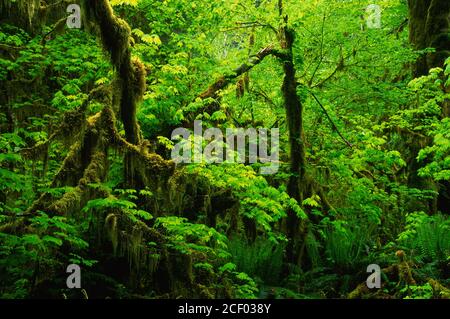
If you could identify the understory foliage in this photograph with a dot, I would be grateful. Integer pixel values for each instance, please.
(85, 141)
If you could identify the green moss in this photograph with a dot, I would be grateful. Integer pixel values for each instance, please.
(112, 230)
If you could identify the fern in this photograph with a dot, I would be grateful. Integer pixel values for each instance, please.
(345, 246)
(262, 259)
(433, 239)
(429, 236)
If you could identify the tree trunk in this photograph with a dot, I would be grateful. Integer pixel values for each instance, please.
(429, 22)
(294, 117)
(131, 76)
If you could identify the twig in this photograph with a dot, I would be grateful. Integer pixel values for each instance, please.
(331, 121)
(59, 24)
(321, 53)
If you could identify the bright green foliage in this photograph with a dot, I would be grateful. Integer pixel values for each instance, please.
(193, 238)
(113, 204)
(377, 155)
(245, 286)
(419, 292)
(259, 201)
(22, 255)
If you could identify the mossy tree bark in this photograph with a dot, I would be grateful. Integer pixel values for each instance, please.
(90, 138)
(429, 22)
(296, 188)
(130, 81)
(32, 15)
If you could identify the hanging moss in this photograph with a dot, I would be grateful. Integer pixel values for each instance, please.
(138, 79)
(15, 227)
(148, 165)
(68, 203)
(111, 226)
(32, 15)
(75, 199)
(132, 242)
(71, 129)
(115, 35)
(19, 9)
(87, 163)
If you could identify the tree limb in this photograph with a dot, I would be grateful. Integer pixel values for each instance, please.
(331, 121)
(223, 81)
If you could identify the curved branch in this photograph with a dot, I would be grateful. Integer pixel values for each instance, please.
(335, 128)
(225, 80)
